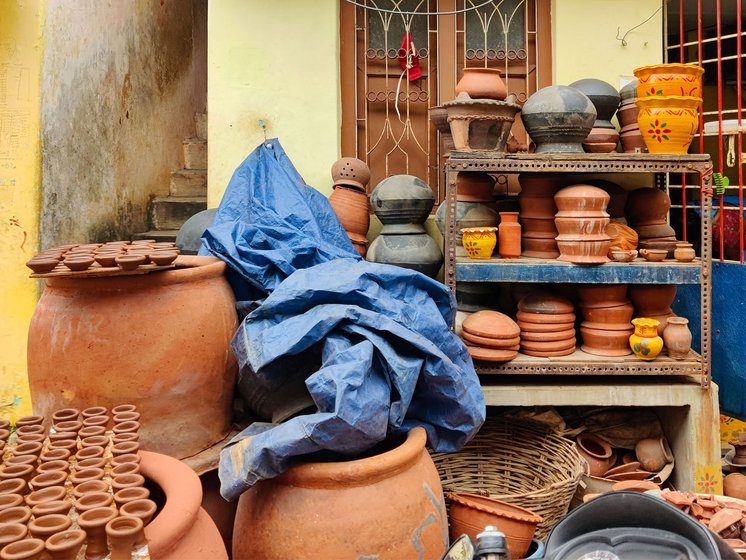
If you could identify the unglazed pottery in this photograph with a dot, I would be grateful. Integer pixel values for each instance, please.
(668, 124)
(491, 324)
(509, 237)
(65, 545)
(42, 265)
(734, 485)
(609, 341)
(121, 534)
(669, 80)
(621, 255)
(474, 186)
(351, 172)
(482, 83)
(597, 453)
(481, 124)
(402, 203)
(678, 338)
(26, 549)
(653, 255)
(479, 242)
(351, 207)
(645, 342)
(653, 453)
(684, 252)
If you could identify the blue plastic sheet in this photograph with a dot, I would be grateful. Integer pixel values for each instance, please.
(388, 359)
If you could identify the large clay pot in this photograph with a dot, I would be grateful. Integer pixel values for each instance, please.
(604, 97)
(351, 207)
(647, 206)
(402, 203)
(181, 529)
(482, 83)
(418, 252)
(160, 341)
(474, 186)
(581, 220)
(389, 506)
(669, 80)
(668, 124)
(558, 119)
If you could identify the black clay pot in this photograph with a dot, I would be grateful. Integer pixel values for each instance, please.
(418, 252)
(628, 93)
(558, 119)
(604, 98)
(468, 215)
(402, 203)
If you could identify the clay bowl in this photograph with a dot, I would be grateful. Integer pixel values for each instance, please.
(654, 255)
(545, 303)
(546, 318)
(539, 248)
(163, 258)
(107, 260)
(599, 147)
(164, 245)
(581, 226)
(543, 327)
(90, 487)
(19, 514)
(618, 314)
(559, 335)
(130, 262)
(145, 253)
(602, 295)
(619, 255)
(491, 324)
(42, 265)
(78, 263)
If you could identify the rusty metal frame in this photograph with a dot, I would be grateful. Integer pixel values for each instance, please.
(699, 365)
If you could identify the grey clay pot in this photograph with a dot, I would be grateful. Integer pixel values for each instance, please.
(418, 252)
(604, 98)
(402, 203)
(468, 214)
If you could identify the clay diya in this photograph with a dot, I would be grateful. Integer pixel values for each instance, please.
(42, 265)
(621, 255)
(130, 261)
(654, 255)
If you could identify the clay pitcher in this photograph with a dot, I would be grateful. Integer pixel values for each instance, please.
(509, 236)
(678, 338)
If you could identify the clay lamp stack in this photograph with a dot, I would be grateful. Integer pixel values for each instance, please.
(606, 325)
(547, 325)
(536, 200)
(647, 211)
(473, 194)
(581, 221)
(491, 336)
(603, 137)
(482, 115)
(653, 301)
(350, 200)
(629, 133)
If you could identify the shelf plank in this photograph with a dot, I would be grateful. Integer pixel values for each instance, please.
(525, 269)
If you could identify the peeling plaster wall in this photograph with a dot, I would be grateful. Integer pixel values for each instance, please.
(119, 92)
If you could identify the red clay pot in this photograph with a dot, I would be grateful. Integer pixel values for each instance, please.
(602, 295)
(509, 236)
(353, 210)
(647, 206)
(474, 187)
(597, 453)
(110, 315)
(122, 534)
(389, 506)
(582, 200)
(93, 522)
(606, 342)
(482, 83)
(545, 303)
(612, 315)
(45, 527)
(65, 545)
(579, 227)
(52, 507)
(45, 495)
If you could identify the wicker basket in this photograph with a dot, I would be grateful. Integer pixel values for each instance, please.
(522, 463)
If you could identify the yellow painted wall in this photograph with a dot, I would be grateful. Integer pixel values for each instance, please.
(277, 62)
(21, 26)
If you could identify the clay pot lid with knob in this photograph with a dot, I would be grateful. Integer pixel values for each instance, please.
(545, 303)
(491, 324)
(350, 171)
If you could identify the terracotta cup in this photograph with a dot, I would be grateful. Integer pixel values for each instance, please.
(26, 549)
(90, 487)
(90, 431)
(122, 533)
(65, 545)
(10, 501)
(45, 527)
(93, 522)
(13, 486)
(52, 507)
(45, 495)
(127, 481)
(65, 414)
(126, 495)
(12, 532)
(93, 500)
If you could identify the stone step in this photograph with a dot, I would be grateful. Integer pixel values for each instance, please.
(195, 154)
(171, 212)
(200, 123)
(157, 234)
(189, 182)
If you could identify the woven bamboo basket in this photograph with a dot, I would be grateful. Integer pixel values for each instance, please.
(518, 462)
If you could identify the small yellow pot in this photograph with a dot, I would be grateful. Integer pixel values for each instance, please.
(479, 242)
(668, 124)
(669, 79)
(645, 342)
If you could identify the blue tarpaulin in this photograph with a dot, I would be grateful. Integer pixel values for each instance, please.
(387, 358)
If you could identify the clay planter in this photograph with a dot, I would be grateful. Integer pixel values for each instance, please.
(479, 242)
(110, 315)
(509, 236)
(389, 506)
(474, 187)
(352, 209)
(668, 124)
(481, 124)
(539, 248)
(653, 453)
(669, 79)
(678, 338)
(606, 342)
(558, 119)
(482, 83)
(121, 534)
(597, 453)
(470, 514)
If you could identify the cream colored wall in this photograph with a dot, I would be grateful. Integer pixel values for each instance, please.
(585, 44)
(277, 62)
(21, 26)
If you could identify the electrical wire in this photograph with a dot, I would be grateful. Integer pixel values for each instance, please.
(397, 11)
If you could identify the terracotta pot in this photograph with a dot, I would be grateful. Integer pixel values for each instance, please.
(584, 251)
(51, 455)
(33, 420)
(601, 140)
(143, 510)
(31, 448)
(25, 472)
(45, 495)
(612, 315)
(653, 453)
(470, 514)
(85, 475)
(537, 207)
(631, 139)
(597, 453)
(684, 252)
(653, 301)
(481, 124)
(45, 527)
(645, 342)
(47, 479)
(166, 309)
(509, 236)
(93, 500)
(546, 318)
(602, 295)
(126, 468)
(121, 534)
(127, 481)
(350, 171)
(90, 486)
(52, 507)
(543, 327)
(93, 522)
(382, 501)
(669, 79)
(26, 549)
(352, 208)
(439, 117)
(627, 115)
(69, 426)
(482, 83)
(582, 200)
(22, 460)
(549, 346)
(126, 495)
(479, 242)
(579, 227)
(65, 545)
(647, 206)
(678, 338)
(474, 187)
(606, 342)
(12, 532)
(558, 119)
(734, 485)
(668, 124)
(65, 414)
(539, 248)
(536, 228)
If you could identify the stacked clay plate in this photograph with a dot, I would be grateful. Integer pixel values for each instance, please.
(547, 325)
(491, 336)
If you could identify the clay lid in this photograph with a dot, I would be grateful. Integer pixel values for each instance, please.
(350, 171)
(500, 343)
(491, 354)
(558, 335)
(543, 327)
(582, 199)
(491, 324)
(551, 346)
(546, 318)
(545, 302)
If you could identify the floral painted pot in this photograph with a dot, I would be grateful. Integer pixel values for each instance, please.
(480, 242)
(669, 79)
(668, 124)
(645, 342)
(482, 83)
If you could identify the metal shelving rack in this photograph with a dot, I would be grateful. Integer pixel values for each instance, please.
(458, 267)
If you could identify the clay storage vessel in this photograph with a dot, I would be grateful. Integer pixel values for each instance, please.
(474, 193)
(491, 336)
(603, 137)
(653, 301)
(350, 199)
(547, 325)
(481, 124)
(581, 220)
(536, 201)
(607, 316)
(647, 212)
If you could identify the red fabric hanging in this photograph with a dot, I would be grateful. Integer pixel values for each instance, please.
(408, 51)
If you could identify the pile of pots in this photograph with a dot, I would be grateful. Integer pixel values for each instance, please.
(547, 324)
(350, 200)
(647, 212)
(538, 209)
(629, 133)
(581, 221)
(491, 336)
(603, 137)
(607, 316)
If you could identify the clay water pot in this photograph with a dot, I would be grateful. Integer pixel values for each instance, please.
(52, 507)
(604, 97)
(10, 501)
(416, 252)
(558, 119)
(89, 487)
(509, 236)
(653, 453)
(678, 338)
(734, 485)
(482, 83)
(352, 208)
(65, 545)
(45, 527)
(11, 532)
(48, 494)
(126, 495)
(93, 522)
(26, 549)
(386, 497)
(18, 514)
(13, 486)
(122, 533)
(403, 201)
(597, 453)
(167, 309)
(474, 186)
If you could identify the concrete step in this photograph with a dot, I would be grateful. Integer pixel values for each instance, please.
(200, 123)
(158, 235)
(189, 182)
(195, 154)
(171, 212)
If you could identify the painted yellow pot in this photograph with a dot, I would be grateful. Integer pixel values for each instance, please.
(645, 342)
(668, 124)
(479, 242)
(669, 79)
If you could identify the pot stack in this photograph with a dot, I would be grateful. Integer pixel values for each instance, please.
(629, 133)
(606, 325)
(350, 200)
(474, 192)
(581, 221)
(654, 302)
(646, 211)
(603, 137)
(538, 208)
(547, 324)
(491, 336)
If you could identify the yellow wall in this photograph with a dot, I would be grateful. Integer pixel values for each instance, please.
(277, 62)
(585, 44)
(20, 179)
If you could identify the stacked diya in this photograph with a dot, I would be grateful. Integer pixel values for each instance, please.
(629, 133)
(547, 325)
(350, 200)
(606, 325)
(122, 255)
(581, 221)
(473, 193)
(538, 208)
(653, 301)
(491, 336)
(603, 137)
(647, 213)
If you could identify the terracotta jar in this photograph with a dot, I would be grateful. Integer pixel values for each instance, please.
(558, 119)
(678, 338)
(389, 506)
(684, 252)
(509, 236)
(653, 453)
(93, 522)
(482, 83)
(121, 534)
(65, 545)
(645, 342)
(108, 316)
(597, 453)
(352, 208)
(474, 186)
(26, 549)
